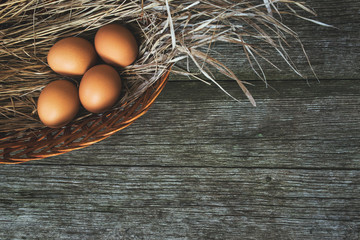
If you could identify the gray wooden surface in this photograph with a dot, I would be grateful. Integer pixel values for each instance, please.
(334, 52)
(199, 165)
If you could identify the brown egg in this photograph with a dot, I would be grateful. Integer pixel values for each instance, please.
(72, 56)
(100, 88)
(116, 45)
(58, 103)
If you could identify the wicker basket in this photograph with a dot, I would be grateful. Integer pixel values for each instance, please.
(171, 31)
(19, 147)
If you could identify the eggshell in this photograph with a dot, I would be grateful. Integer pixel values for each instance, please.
(58, 103)
(100, 88)
(116, 45)
(72, 56)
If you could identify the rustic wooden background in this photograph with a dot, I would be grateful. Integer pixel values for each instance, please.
(199, 165)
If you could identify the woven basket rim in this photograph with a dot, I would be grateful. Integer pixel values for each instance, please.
(20, 147)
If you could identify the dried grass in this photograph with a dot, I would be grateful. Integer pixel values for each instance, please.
(168, 30)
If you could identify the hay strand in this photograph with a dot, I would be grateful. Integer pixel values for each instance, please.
(168, 31)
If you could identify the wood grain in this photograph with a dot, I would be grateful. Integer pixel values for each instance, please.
(199, 165)
(198, 124)
(93, 202)
(334, 52)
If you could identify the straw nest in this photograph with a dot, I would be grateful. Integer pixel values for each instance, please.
(168, 31)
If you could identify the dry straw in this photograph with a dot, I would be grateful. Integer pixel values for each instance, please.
(168, 32)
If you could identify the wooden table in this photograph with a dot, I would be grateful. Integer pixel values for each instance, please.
(199, 165)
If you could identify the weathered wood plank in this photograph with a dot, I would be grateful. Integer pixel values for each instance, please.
(201, 166)
(192, 124)
(333, 52)
(93, 202)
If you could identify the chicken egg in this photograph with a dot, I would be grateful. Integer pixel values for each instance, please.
(72, 56)
(100, 88)
(58, 103)
(116, 45)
